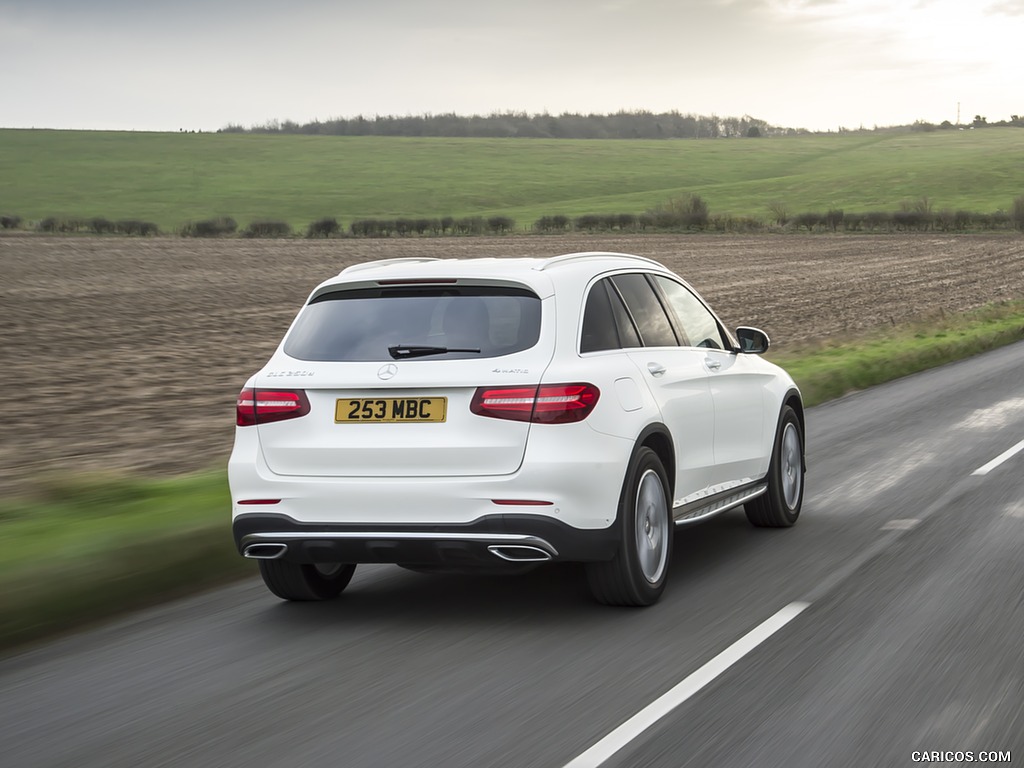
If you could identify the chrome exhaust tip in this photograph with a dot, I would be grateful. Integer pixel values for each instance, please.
(265, 551)
(519, 553)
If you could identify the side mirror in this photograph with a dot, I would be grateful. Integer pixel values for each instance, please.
(753, 341)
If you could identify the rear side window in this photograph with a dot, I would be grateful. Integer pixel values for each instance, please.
(360, 325)
(645, 307)
(606, 324)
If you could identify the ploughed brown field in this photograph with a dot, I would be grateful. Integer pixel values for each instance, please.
(127, 354)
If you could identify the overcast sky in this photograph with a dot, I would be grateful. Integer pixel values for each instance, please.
(202, 64)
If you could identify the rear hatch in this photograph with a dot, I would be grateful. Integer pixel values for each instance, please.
(390, 374)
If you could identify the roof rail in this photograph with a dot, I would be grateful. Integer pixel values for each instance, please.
(385, 262)
(555, 261)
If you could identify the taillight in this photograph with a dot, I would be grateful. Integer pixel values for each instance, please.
(546, 404)
(261, 406)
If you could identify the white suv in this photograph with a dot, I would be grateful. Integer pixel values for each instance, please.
(483, 412)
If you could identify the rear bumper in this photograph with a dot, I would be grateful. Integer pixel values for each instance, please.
(488, 541)
(571, 475)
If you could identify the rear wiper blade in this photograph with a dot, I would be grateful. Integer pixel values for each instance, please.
(402, 351)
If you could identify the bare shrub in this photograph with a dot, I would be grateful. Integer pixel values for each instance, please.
(469, 225)
(101, 226)
(696, 212)
(543, 224)
(323, 227)
(625, 221)
(877, 219)
(780, 212)
(808, 219)
(10, 222)
(945, 220)
(1017, 212)
(364, 227)
(853, 222)
(499, 225)
(908, 220)
(222, 225)
(662, 219)
(267, 228)
(688, 211)
(588, 222)
(136, 227)
(57, 224)
(1000, 220)
(552, 224)
(746, 224)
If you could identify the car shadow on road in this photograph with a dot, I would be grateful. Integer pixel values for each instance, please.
(548, 594)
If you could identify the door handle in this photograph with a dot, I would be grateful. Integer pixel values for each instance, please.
(656, 369)
(713, 365)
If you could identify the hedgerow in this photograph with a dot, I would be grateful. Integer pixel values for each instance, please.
(681, 213)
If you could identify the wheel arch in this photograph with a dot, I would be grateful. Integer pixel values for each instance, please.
(795, 401)
(658, 439)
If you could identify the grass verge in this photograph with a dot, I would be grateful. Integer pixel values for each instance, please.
(85, 547)
(830, 369)
(82, 548)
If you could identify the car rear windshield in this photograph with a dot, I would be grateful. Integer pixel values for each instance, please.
(368, 324)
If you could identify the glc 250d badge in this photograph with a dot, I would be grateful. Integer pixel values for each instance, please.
(388, 371)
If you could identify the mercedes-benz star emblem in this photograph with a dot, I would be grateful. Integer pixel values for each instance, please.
(387, 371)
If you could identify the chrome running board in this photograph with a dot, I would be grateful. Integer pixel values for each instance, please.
(697, 511)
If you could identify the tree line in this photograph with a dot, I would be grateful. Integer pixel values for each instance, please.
(639, 124)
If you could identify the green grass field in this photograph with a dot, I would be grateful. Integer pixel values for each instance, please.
(173, 178)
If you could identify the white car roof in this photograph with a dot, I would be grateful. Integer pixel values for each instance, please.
(538, 273)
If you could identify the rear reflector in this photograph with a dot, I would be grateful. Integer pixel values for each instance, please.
(259, 501)
(546, 403)
(261, 406)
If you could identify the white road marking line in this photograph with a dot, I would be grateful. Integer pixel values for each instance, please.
(904, 524)
(660, 707)
(999, 459)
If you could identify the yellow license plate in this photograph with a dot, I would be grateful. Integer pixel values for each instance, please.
(389, 410)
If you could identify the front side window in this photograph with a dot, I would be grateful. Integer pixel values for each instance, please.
(362, 325)
(698, 324)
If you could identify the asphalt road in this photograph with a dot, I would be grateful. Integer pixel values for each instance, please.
(888, 622)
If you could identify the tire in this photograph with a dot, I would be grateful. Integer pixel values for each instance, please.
(779, 506)
(637, 574)
(306, 581)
